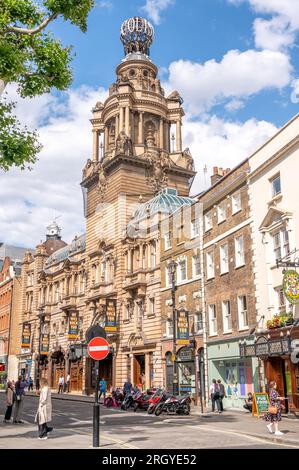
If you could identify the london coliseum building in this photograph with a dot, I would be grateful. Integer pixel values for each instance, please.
(137, 175)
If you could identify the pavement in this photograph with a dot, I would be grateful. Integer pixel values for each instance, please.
(72, 421)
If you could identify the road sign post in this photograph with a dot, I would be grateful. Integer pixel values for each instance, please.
(98, 349)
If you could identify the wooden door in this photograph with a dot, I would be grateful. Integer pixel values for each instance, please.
(76, 374)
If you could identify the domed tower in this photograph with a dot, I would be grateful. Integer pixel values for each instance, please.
(138, 129)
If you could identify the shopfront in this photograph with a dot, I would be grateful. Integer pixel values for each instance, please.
(277, 349)
(238, 375)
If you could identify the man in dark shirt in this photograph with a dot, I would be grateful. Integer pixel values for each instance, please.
(20, 386)
(127, 387)
(222, 394)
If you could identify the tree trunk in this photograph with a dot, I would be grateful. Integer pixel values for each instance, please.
(2, 86)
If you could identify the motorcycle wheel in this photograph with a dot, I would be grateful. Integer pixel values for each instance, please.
(108, 403)
(135, 406)
(150, 409)
(158, 410)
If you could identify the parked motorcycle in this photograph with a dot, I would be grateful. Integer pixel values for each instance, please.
(174, 404)
(115, 399)
(128, 400)
(154, 400)
(142, 400)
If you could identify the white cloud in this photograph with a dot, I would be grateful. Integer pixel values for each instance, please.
(295, 92)
(279, 31)
(29, 199)
(216, 142)
(154, 8)
(238, 75)
(234, 105)
(105, 4)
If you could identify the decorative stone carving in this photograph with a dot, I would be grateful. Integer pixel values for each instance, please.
(123, 144)
(156, 175)
(102, 184)
(189, 160)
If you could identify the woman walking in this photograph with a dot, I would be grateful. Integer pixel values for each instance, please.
(9, 401)
(44, 411)
(274, 413)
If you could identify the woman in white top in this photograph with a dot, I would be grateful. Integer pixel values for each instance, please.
(44, 411)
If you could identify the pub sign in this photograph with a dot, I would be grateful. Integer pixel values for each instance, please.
(182, 327)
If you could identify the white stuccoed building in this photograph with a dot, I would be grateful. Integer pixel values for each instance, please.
(274, 205)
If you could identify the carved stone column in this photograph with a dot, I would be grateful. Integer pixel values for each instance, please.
(140, 128)
(106, 138)
(95, 153)
(116, 126)
(127, 121)
(121, 119)
(178, 136)
(161, 133)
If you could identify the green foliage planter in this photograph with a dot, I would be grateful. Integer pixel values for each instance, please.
(278, 321)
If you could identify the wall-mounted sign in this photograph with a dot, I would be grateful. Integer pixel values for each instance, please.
(73, 325)
(291, 286)
(110, 324)
(182, 327)
(26, 335)
(44, 344)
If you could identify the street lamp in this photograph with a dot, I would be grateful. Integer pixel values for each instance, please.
(172, 266)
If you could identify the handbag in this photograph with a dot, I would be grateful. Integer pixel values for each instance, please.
(273, 410)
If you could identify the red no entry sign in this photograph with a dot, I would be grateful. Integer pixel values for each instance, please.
(98, 349)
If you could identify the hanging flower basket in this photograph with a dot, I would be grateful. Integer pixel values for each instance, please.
(278, 321)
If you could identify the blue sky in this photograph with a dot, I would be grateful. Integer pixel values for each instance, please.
(235, 63)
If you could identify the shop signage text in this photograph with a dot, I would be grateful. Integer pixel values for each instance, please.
(110, 324)
(182, 327)
(73, 325)
(26, 335)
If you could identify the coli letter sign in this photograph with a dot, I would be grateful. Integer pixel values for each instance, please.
(291, 286)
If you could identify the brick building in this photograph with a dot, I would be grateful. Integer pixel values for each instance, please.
(229, 297)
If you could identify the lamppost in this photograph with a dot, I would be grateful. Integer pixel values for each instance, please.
(172, 266)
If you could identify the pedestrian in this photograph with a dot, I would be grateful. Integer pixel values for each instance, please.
(30, 384)
(222, 394)
(274, 411)
(9, 401)
(44, 412)
(103, 388)
(248, 402)
(127, 387)
(214, 394)
(60, 384)
(68, 383)
(19, 394)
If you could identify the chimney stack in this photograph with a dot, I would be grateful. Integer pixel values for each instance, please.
(218, 174)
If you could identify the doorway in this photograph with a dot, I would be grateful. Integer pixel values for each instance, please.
(138, 368)
(276, 371)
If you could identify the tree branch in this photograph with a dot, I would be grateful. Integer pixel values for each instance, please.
(15, 29)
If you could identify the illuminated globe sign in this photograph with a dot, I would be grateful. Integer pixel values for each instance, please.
(137, 35)
(291, 286)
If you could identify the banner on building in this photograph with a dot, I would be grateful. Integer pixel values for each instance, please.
(110, 324)
(291, 286)
(73, 325)
(182, 327)
(26, 335)
(44, 344)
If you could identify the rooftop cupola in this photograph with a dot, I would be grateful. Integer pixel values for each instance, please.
(137, 35)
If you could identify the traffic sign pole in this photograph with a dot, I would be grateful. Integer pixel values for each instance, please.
(98, 349)
(96, 409)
